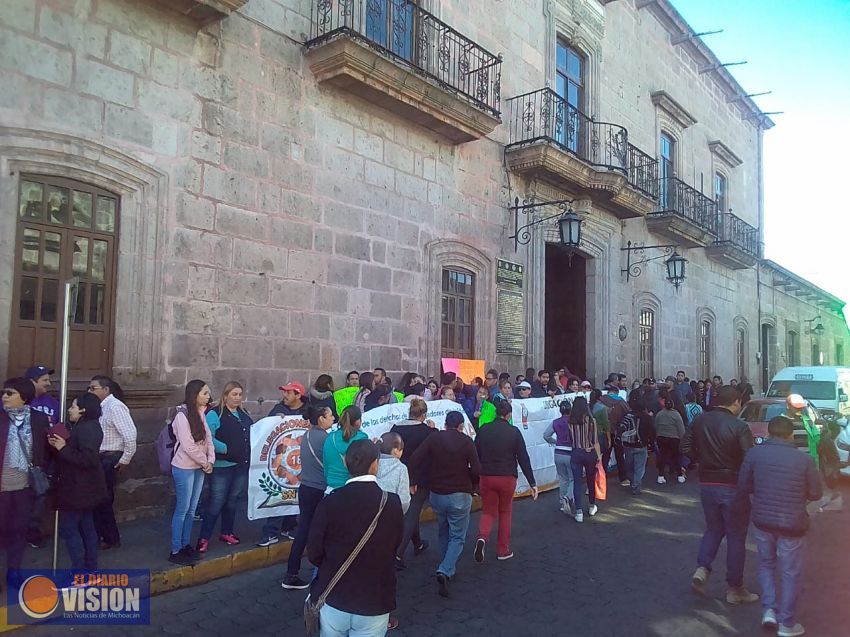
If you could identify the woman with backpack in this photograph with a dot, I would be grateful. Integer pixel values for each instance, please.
(336, 444)
(636, 432)
(81, 485)
(194, 455)
(585, 455)
(230, 426)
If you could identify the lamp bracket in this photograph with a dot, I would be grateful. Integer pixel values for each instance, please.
(635, 268)
(522, 233)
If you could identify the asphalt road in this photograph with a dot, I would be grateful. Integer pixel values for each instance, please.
(624, 572)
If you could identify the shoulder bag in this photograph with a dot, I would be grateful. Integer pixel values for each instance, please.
(39, 482)
(312, 451)
(311, 610)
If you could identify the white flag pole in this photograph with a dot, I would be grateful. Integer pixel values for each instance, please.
(71, 289)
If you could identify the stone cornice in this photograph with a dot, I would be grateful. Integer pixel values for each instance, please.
(676, 111)
(204, 11)
(724, 154)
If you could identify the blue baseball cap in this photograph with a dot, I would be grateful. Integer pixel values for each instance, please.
(38, 371)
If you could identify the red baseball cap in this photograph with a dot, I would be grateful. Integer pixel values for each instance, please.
(293, 386)
(795, 401)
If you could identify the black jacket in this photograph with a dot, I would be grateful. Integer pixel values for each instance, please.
(236, 434)
(282, 410)
(452, 460)
(782, 481)
(323, 399)
(717, 440)
(369, 585)
(81, 485)
(414, 433)
(500, 447)
(538, 390)
(40, 424)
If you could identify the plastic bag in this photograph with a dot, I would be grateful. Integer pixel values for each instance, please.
(601, 486)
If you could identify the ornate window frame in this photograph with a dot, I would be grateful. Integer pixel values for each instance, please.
(138, 348)
(443, 253)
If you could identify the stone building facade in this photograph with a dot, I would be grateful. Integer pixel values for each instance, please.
(266, 190)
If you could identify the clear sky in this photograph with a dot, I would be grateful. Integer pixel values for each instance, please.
(799, 50)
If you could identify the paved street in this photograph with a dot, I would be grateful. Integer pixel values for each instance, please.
(625, 572)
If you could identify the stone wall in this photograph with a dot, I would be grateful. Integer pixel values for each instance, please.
(275, 229)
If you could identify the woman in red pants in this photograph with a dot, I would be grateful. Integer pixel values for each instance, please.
(500, 448)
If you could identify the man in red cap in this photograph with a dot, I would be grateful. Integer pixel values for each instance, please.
(292, 404)
(796, 410)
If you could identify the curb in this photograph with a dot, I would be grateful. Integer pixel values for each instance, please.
(215, 568)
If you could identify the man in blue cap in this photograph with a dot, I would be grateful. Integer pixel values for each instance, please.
(43, 401)
(39, 375)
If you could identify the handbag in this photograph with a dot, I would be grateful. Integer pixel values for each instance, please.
(601, 482)
(311, 610)
(39, 482)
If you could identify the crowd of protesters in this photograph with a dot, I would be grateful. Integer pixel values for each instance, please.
(685, 424)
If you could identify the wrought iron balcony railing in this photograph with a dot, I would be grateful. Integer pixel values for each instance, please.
(643, 172)
(543, 115)
(677, 197)
(734, 230)
(406, 32)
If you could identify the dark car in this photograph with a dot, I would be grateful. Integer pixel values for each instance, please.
(759, 411)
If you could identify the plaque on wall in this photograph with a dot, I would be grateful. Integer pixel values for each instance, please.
(510, 308)
(509, 275)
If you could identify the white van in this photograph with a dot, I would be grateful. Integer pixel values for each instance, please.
(828, 388)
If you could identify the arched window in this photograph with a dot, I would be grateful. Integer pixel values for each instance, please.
(705, 343)
(65, 229)
(457, 325)
(792, 349)
(741, 353)
(646, 356)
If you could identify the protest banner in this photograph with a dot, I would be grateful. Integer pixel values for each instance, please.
(344, 397)
(467, 369)
(275, 471)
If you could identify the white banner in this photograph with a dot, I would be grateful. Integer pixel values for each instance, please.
(275, 472)
(376, 422)
(532, 416)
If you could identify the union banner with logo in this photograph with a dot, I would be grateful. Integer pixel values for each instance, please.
(275, 472)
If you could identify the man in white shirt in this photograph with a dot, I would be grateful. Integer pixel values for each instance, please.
(116, 452)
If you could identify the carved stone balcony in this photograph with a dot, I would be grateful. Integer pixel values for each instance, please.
(402, 58)
(737, 244)
(204, 11)
(684, 215)
(557, 143)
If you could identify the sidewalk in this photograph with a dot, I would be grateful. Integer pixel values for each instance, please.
(145, 545)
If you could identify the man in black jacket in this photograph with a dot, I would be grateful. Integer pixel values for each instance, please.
(500, 447)
(718, 440)
(364, 596)
(454, 469)
(413, 432)
(781, 480)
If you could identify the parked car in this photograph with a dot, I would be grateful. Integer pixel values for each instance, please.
(758, 412)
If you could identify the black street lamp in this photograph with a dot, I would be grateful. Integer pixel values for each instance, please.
(569, 223)
(675, 262)
(676, 269)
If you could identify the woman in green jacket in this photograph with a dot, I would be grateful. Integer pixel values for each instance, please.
(336, 444)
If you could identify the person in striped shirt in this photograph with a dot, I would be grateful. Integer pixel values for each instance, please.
(585, 455)
(116, 452)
